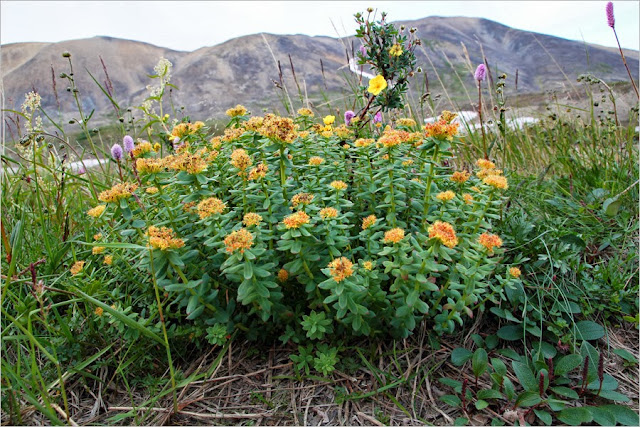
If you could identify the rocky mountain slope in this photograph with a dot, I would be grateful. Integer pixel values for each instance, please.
(243, 70)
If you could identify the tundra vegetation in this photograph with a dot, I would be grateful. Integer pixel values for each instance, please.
(348, 266)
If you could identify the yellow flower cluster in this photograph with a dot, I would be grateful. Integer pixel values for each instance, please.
(251, 219)
(405, 122)
(117, 192)
(187, 162)
(151, 190)
(305, 112)
(238, 110)
(340, 269)
(392, 137)
(254, 123)
(377, 85)
(460, 177)
(394, 235)
(99, 311)
(515, 272)
(368, 221)
(490, 241)
(163, 238)
(496, 181)
(77, 267)
(485, 164)
(281, 129)
(343, 132)
(444, 232)
(395, 50)
(468, 198)
(301, 199)
(97, 211)
(441, 130)
(148, 166)
(329, 120)
(339, 185)
(259, 172)
(238, 240)
(296, 220)
(240, 159)
(364, 142)
(183, 129)
(108, 259)
(97, 250)
(143, 147)
(326, 213)
(368, 265)
(283, 275)
(445, 196)
(448, 116)
(210, 206)
(316, 161)
(407, 162)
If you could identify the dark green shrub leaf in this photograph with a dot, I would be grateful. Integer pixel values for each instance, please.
(511, 332)
(575, 416)
(565, 392)
(479, 362)
(490, 394)
(461, 421)
(613, 395)
(623, 414)
(626, 355)
(588, 330)
(602, 416)
(543, 416)
(528, 398)
(525, 376)
(451, 400)
(567, 364)
(460, 356)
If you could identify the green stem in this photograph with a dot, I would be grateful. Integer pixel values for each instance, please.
(164, 331)
(427, 192)
(283, 178)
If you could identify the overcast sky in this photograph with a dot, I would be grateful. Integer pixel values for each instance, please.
(189, 25)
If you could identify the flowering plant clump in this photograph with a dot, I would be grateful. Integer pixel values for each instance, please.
(279, 220)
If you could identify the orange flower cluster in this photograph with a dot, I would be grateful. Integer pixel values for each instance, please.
(187, 162)
(240, 159)
(282, 129)
(238, 240)
(148, 166)
(143, 147)
(163, 238)
(305, 112)
(339, 185)
(445, 196)
(490, 241)
(328, 213)
(251, 219)
(97, 211)
(515, 272)
(364, 142)
(368, 221)
(259, 172)
(296, 220)
(283, 275)
(183, 129)
(392, 137)
(301, 199)
(238, 110)
(210, 206)
(117, 192)
(254, 123)
(460, 177)
(316, 161)
(444, 232)
(496, 181)
(77, 267)
(441, 129)
(394, 235)
(340, 269)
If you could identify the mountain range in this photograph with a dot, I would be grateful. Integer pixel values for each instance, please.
(248, 70)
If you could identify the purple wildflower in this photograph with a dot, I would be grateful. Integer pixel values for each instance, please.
(82, 170)
(363, 50)
(481, 72)
(610, 19)
(127, 141)
(378, 117)
(116, 152)
(348, 115)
